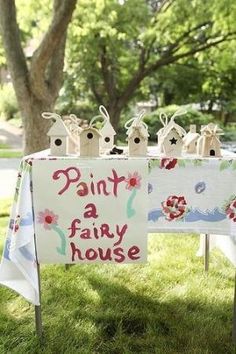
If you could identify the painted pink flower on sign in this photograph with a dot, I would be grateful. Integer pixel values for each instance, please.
(174, 207)
(168, 163)
(231, 210)
(47, 218)
(133, 181)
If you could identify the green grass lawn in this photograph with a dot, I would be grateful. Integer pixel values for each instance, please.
(10, 154)
(168, 305)
(7, 152)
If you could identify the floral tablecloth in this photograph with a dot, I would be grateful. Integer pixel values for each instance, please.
(185, 195)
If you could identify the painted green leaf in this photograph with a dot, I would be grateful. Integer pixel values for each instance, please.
(153, 164)
(224, 165)
(234, 165)
(181, 163)
(197, 162)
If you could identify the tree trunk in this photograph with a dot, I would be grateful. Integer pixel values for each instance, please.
(35, 127)
(168, 97)
(210, 106)
(226, 118)
(114, 109)
(38, 85)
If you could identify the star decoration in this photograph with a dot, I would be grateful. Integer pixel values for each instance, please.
(173, 141)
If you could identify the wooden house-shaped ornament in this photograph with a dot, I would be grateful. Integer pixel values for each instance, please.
(137, 135)
(190, 140)
(209, 143)
(107, 132)
(58, 134)
(171, 138)
(159, 140)
(137, 140)
(200, 141)
(89, 142)
(72, 123)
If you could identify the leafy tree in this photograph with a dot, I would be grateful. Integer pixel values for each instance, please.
(179, 83)
(37, 83)
(209, 79)
(219, 84)
(116, 49)
(116, 45)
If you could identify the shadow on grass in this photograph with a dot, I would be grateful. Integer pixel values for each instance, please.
(86, 311)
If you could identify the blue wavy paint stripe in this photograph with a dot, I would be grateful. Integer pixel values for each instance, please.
(209, 215)
(26, 253)
(193, 215)
(23, 250)
(7, 249)
(155, 214)
(23, 221)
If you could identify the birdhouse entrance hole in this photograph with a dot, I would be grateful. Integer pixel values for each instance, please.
(107, 139)
(89, 135)
(212, 153)
(137, 140)
(58, 142)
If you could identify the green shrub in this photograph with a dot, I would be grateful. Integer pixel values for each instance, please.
(8, 103)
(191, 117)
(229, 133)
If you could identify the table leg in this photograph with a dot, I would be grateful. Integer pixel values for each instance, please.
(37, 309)
(234, 313)
(207, 252)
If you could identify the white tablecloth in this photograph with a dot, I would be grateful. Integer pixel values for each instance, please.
(185, 195)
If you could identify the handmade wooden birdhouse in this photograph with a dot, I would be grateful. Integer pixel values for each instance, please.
(72, 122)
(107, 131)
(58, 134)
(170, 141)
(209, 143)
(137, 136)
(89, 142)
(190, 140)
(137, 141)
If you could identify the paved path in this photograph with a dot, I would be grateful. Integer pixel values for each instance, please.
(8, 175)
(10, 135)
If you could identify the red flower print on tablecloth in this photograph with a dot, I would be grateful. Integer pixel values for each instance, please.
(168, 163)
(133, 181)
(17, 223)
(174, 207)
(231, 210)
(47, 218)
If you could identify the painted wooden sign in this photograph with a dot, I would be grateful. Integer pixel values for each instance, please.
(90, 210)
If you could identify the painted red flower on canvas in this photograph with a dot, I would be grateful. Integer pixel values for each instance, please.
(174, 207)
(168, 163)
(47, 218)
(133, 181)
(231, 210)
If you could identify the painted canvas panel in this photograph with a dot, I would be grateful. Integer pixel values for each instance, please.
(192, 195)
(90, 210)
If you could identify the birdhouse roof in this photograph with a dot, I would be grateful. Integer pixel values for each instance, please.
(107, 129)
(58, 129)
(140, 130)
(190, 138)
(172, 125)
(90, 129)
(211, 127)
(160, 131)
